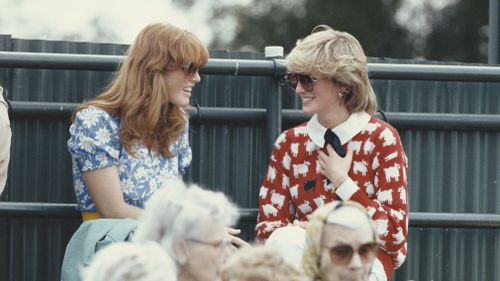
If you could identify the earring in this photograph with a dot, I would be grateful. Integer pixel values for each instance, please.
(341, 95)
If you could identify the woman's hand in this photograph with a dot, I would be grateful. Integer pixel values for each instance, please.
(334, 167)
(298, 223)
(236, 241)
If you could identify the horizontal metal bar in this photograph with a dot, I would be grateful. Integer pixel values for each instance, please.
(454, 220)
(417, 219)
(429, 121)
(111, 62)
(38, 210)
(426, 121)
(59, 61)
(275, 67)
(434, 72)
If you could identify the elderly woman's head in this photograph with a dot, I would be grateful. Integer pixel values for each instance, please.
(190, 223)
(131, 262)
(259, 263)
(341, 243)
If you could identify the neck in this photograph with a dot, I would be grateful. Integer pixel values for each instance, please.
(334, 118)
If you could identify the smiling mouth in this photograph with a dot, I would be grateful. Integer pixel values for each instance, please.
(306, 100)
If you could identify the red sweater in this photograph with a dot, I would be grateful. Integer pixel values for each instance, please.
(294, 187)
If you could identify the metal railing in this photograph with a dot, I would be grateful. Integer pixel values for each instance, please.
(417, 219)
(274, 68)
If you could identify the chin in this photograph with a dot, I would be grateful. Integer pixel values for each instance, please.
(308, 111)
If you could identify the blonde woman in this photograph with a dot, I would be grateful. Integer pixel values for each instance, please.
(125, 142)
(342, 153)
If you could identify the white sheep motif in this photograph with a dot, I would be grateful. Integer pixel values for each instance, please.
(277, 199)
(370, 128)
(310, 147)
(295, 149)
(402, 194)
(388, 137)
(300, 131)
(392, 173)
(375, 163)
(269, 210)
(320, 201)
(360, 167)
(272, 225)
(368, 147)
(305, 207)
(281, 139)
(354, 146)
(285, 182)
(286, 161)
(263, 192)
(271, 174)
(391, 156)
(301, 169)
(385, 196)
(398, 237)
(294, 191)
(370, 190)
(328, 185)
(381, 227)
(397, 214)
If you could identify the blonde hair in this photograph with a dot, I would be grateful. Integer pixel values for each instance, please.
(179, 211)
(337, 55)
(327, 214)
(259, 263)
(131, 262)
(138, 93)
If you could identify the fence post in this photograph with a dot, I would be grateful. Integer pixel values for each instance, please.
(493, 33)
(274, 99)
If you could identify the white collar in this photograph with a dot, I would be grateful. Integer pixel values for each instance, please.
(345, 131)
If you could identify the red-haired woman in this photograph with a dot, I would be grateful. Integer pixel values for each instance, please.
(129, 140)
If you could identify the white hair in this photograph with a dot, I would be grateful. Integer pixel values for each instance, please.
(131, 262)
(178, 212)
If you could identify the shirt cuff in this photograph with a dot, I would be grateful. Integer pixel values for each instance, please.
(347, 189)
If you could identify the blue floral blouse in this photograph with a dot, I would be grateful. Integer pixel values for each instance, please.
(94, 144)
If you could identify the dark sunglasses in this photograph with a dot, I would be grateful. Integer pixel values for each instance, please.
(190, 68)
(342, 254)
(306, 81)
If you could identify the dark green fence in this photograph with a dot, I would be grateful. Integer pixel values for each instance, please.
(448, 117)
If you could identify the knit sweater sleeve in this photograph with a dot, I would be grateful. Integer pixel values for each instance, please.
(389, 207)
(274, 196)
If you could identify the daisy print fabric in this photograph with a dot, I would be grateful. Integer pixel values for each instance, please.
(94, 143)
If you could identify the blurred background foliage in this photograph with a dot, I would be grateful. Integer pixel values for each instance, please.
(450, 30)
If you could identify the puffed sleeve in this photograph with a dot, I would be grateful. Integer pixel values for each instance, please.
(185, 154)
(94, 141)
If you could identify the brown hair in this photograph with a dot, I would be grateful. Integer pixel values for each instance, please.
(259, 263)
(337, 55)
(138, 94)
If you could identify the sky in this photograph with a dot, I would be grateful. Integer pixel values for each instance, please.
(121, 20)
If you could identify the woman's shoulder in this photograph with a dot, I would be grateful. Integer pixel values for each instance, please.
(298, 130)
(91, 111)
(377, 126)
(95, 116)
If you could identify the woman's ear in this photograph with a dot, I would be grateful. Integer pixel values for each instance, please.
(181, 252)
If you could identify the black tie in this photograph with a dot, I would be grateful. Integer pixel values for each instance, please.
(332, 139)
